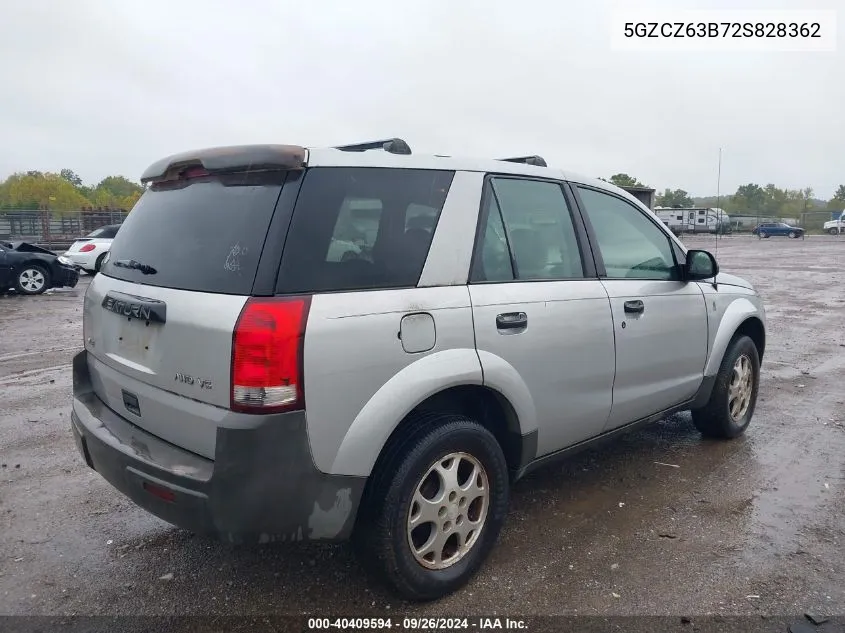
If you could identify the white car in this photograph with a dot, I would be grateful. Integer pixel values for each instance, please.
(88, 252)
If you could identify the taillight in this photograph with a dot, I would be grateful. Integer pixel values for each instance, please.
(87, 248)
(267, 349)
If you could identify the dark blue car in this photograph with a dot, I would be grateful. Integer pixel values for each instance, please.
(767, 229)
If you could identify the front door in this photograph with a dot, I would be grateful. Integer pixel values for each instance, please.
(542, 319)
(659, 320)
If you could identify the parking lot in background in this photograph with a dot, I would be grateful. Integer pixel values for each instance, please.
(658, 522)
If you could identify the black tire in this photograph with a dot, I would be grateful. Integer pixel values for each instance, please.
(714, 419)
(381, 533)
(833, 231)
(763, 234)
(29, 271)
(99, 263)
(793, 235)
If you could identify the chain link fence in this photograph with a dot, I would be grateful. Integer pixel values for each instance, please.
(54, 229)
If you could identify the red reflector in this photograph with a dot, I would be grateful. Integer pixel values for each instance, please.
(160, 492)
(86, 248)
(267, 355)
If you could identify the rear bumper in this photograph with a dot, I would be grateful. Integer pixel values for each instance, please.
(261, 487)
(82, 260)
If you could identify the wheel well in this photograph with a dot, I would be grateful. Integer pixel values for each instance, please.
(32, 262)
(486, 406)
(753, 329)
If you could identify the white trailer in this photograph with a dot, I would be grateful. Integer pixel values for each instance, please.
(694, 220)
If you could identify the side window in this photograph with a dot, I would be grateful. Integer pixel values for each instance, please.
(631, 245)
(539, 229)
(701, 220)
(110, 232)
(358, 228)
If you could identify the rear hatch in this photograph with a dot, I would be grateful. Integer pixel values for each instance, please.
(159, 319)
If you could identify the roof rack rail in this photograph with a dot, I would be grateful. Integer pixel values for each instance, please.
(537, 161)
(391, 145)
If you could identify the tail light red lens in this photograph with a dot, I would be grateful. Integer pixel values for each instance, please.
(267, 355)
(87, 248)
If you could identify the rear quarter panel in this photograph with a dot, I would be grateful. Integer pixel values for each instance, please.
(359, 381)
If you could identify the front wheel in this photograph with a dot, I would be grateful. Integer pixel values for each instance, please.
(734, 396)
(435, 507)
(763, 234)
(793, 234)
(32, 280)
(833, 231)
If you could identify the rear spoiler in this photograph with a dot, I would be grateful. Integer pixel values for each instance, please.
(228, 159)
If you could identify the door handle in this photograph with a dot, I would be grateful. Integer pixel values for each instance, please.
(634, 307)
(511, 321)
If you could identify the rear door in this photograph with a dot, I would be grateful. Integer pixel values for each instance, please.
(660, 321)
(539, 308)
(159, 319)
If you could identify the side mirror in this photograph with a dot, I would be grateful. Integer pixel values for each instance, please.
(700, 265)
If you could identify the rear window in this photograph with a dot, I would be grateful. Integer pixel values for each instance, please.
(104, 232)
(204, 234)
(361, 228)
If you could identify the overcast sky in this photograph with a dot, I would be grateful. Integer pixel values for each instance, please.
(109, 86)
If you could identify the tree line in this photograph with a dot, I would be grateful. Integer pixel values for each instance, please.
(768, 200)
(66, 191)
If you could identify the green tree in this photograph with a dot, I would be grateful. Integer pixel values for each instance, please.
(624, 180)
(749, 197)
(40, 190)
(838, 200)
(71, 177)
(674, 198)
(116, 192)
(119, 186)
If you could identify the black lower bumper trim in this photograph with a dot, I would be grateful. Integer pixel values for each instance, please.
(261, 487)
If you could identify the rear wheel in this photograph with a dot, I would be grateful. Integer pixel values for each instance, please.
(99, 263)
(731, 405)
(32, 280)
(435, 507)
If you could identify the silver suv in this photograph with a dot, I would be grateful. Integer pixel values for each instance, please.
(291, 344)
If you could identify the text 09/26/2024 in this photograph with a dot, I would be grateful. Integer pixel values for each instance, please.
(723, 30)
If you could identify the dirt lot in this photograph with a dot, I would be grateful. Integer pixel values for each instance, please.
(753, 526)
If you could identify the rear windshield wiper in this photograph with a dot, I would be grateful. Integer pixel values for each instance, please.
(132, 264)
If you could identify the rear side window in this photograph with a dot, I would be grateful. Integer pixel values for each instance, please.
(361, 228)
(204, 234)
(104, 232)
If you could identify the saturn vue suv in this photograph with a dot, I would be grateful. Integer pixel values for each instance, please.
(288, 344)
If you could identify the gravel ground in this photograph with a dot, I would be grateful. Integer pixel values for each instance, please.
(753, 526)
